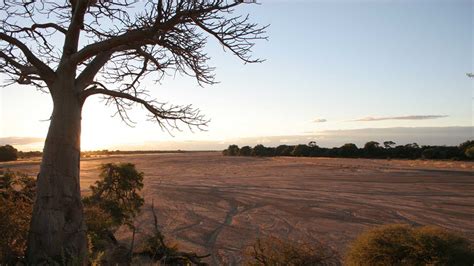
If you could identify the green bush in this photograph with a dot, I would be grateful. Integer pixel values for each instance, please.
(117, 192)
(406, 245)
(115, 201)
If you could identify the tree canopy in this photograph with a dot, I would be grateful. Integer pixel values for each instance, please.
(111, 46)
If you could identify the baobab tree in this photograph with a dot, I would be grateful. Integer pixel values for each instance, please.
(78, 48)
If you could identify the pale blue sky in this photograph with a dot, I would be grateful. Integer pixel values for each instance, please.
(334, 60)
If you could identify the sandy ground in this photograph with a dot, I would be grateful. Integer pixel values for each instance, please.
(219, 205)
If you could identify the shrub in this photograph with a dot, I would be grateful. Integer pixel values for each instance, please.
(99, 223)
(465, 145)
(245, 151)
(470, 152)
(8, 153)
(232, 150)
(114, 202)
(259, 150)
(388, 144)
(405, 245)
(275, 251)
(117, 192)
(16, 205)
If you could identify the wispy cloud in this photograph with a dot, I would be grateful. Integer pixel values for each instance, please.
(320, 120)
(406, 117)
(20, 140)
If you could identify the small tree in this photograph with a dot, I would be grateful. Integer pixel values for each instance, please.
(349, 150)
(312, 144)
(114, 202)
(259, 150)
(372, 149)
(388, 144)
(233, 150)
(117, 192)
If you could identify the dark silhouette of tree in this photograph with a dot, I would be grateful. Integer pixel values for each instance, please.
(388, 144)
(469, 152)
(284, 150)
(372, 149)
(349, 150)
(8, 153)
(78, 48)
(260, 150)
(301, 150)
(312, 144)
(466, 145)
(245, 151)
(233, 150)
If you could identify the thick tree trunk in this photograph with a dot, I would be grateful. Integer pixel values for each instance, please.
(57, 230)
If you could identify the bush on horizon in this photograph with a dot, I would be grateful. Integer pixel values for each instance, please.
(8, 153)
(245, 151)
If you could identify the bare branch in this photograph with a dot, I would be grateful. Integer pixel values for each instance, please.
(77, 23)
(167, 116)
(36, 26)
(123, 43)
(44, 71)
(87, 75)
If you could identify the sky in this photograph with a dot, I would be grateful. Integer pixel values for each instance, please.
(335, 72)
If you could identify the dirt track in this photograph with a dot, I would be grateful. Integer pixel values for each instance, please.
(210, 203)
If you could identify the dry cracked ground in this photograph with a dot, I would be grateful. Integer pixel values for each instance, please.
(220, 205)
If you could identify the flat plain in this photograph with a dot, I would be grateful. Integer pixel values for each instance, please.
(220, 205)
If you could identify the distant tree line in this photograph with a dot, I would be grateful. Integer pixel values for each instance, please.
(371, 149)
(9, 153)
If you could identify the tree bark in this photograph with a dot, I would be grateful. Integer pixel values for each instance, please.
(57, 230)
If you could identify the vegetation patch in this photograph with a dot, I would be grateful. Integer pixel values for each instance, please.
(406, 245)
(372, 149)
